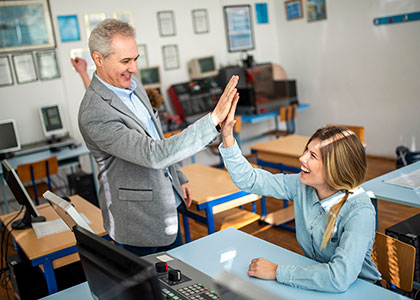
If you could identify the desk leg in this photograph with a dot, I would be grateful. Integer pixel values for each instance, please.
(95, 180)
(50, 277)
(186, 224)
(211, 228)
(263, 207)
(375, 205)
(3, 190)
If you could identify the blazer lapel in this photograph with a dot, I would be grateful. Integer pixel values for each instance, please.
(113, 100)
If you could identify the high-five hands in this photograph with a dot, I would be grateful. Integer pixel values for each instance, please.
(224, 104)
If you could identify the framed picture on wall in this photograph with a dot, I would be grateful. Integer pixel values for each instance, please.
(24, 67)
(6, 77)
(47, 65)
(316, 10)
(166, 23)
(143, 60)
(85, 54)
(69, 28)
(293, 9)
(170, 57)
(25, 25)
(200, 21)
(239, 31)
(91, 20)
(125, 16)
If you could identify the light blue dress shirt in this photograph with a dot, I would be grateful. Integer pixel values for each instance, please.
(130, 99)
(348, 254)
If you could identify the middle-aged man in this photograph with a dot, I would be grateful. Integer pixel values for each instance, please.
(140, 186)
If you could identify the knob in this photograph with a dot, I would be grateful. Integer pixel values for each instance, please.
(174, 275)
(161, 267)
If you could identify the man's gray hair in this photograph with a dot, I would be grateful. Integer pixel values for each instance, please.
(101, 36)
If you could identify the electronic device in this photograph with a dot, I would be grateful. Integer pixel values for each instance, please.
(408, 231)
(202, 67)
(52, 122)
(21, 195)
(9, 139)
(113, 272)
(192, 100)
(226, 73)
(150, 77)
(65, 208)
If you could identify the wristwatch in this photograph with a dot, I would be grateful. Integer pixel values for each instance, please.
(218, 128)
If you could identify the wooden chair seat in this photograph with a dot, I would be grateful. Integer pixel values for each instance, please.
(34, 174)
(395, 261)
(280, 216)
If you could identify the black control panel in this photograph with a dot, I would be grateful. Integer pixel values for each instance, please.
(196, 97)
(180, 281)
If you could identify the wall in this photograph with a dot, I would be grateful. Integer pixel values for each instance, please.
(21, 101)
(355, 73)
(350, 71)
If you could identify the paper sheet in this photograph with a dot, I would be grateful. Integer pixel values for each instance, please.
(409, 180)
(43, 229)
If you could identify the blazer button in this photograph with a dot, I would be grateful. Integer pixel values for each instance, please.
(310, 227)
(166, 174)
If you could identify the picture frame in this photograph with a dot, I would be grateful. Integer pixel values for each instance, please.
(293, 9)
(47, 65)
(85, 54)
(69, 28)
(261, 13)
(24, 66)
(6, 76)
(170, 56)
(25, 14)
(316, 10)
(143, 60)
(166, 23)
(125, 16)
(200, 21)
(91, 20)
(239, 30)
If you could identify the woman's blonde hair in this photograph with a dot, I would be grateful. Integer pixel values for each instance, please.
(345, 166)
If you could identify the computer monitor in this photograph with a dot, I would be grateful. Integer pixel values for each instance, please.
(9, 139)
(202, 67)
(150, 77)
(113, 272)
(52, 122)
(21, 195)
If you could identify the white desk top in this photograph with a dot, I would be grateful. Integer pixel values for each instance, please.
(393, 193)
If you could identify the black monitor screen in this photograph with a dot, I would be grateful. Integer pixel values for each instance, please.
(150, 76)
(51, 117)
(8, 138)
(21, 196)
(206, 64)
(115, 273)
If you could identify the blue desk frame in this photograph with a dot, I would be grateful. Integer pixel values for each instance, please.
(65, 157)
(208, 207)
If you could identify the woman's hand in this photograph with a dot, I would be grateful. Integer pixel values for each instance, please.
(262, 268)
(229, 123)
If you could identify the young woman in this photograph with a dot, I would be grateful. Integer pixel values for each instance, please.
(335, 219)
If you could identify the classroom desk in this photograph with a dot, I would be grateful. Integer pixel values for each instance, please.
(394, 193)
(66, 156)
(282, 153)
(253, 119)
(57, 250)
(213, 193)
(233, 250)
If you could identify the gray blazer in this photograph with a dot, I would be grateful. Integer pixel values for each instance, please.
(135, 192)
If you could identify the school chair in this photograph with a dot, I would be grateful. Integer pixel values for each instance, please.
(287, 115)
(395, 261)
(33, 176)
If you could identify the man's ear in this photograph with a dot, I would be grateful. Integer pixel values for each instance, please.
(97, 58)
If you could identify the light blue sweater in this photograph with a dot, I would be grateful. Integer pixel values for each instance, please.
(348, 254)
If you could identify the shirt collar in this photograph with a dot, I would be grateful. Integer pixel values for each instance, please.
(119, 91)
(329, 202)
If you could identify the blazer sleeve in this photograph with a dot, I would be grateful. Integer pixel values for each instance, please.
(106, 128)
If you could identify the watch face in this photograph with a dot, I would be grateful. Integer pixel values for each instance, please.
(218, 128)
